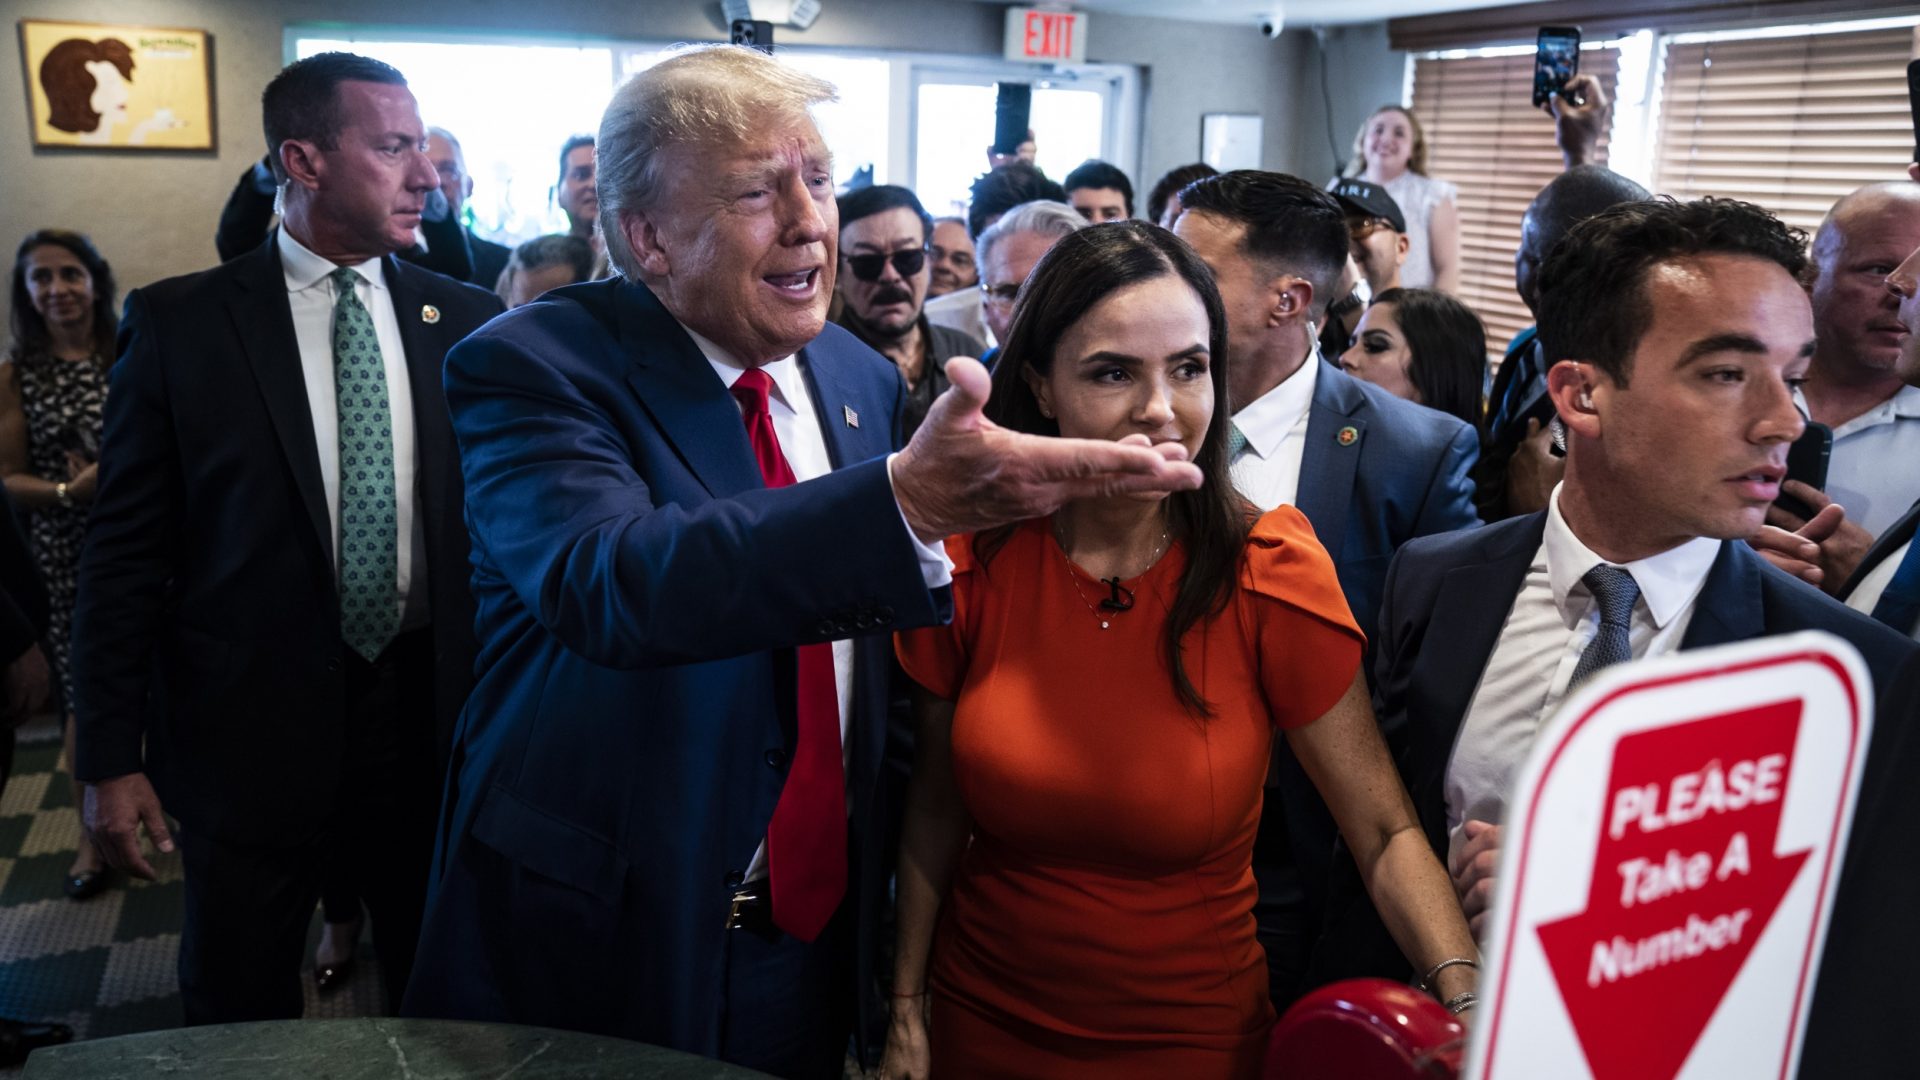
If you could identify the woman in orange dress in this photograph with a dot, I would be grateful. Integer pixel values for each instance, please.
(1075, 890)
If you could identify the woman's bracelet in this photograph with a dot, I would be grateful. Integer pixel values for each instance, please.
(1426, 981)
(1461, 1002)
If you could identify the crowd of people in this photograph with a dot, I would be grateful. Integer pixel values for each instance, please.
(783, 625)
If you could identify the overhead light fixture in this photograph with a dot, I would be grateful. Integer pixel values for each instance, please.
(798, 14)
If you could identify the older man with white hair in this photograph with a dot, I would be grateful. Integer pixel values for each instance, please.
(693, 533)
(1009, 250)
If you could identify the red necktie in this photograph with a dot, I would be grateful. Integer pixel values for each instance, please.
(807, 839)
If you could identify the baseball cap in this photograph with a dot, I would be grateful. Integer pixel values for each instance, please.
(1369, 199)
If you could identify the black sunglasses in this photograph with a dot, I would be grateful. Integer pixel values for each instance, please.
(905, 263)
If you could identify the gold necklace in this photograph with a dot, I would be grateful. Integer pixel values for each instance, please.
(1113, 604)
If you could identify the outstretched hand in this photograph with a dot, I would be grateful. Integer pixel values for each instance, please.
(1581, 114)
(963, 473)
(1839, 545)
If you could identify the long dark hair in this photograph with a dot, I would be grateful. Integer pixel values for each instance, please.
(1080, 271)
(30, 333)
(1449, 348)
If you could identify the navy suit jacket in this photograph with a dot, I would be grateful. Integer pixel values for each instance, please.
(206, 643)
(1377, 471)
(1447, 600)
(639, 595)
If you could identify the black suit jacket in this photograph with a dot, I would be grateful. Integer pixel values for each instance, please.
(489, 259)
(1447, 598)
(207, 623)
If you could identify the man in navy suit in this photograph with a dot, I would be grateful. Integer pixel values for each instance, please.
(1370, 471)
(273, 632)
(691, 540)
(1677, 333)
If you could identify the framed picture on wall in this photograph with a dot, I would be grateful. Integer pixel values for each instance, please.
(118, 87)
(1230, 141)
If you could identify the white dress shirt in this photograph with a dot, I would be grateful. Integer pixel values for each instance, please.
(1872, 470)
(1553, 618)
(796, 423)
(1267, 472)
(310, 293)
(1867, 594)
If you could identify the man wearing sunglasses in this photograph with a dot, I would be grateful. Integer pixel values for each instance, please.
(1377, 230)
(884, 273)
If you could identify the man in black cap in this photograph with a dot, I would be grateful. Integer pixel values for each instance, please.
(1377, 229)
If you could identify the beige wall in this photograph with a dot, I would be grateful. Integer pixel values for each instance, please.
(153, 214)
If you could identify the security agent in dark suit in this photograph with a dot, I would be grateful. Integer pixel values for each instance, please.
(658, 825)
(1679, 331)
(1370, 471)
(274, 624)
(456, 185)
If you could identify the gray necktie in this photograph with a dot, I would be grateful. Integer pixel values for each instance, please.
(1615, 591)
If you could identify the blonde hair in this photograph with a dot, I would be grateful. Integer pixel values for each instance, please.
(704, 95)
(1416, 161)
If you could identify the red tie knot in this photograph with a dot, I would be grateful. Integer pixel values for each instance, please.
(751, 389)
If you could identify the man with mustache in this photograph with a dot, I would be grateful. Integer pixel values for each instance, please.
(274, 628)
(884, 273)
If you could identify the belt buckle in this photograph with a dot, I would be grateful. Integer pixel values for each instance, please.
(737, 909)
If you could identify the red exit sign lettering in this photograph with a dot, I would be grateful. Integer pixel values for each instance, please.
(1039, 35)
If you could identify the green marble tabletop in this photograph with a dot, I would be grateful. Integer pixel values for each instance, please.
(370, 1049)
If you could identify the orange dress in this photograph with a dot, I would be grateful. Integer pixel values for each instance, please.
(1101, 920)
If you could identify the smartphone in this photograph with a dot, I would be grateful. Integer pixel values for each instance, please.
(1555, 60)
(1012, 116)
(1807, 462)
(753, 33)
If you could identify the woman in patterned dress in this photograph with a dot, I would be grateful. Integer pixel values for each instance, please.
(53, 383)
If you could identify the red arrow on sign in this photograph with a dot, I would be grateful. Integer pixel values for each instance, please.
(1684, 883)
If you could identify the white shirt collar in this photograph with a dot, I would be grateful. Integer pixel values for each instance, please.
(304, 269)
(1903, 405)
(1668, 581)
(784, 372)
(1266, 420)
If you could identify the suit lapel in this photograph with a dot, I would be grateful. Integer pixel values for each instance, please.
(1468, 613)
(679, 389)
(853, 424)
(1728, 608)
(264, 319)
(426, 349)
(1331, 458)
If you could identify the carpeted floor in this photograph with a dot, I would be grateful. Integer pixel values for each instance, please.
(105, 966)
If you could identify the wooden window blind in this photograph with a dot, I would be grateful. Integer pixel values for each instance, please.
(1484, 134)
(1789, 123)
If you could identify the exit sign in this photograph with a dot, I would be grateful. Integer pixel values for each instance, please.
(1037, 35)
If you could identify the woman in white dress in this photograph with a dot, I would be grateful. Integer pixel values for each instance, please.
(1391, 150)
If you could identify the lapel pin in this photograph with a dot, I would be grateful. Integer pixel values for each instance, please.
(1348, 436)
(853, 418)
(429, 314)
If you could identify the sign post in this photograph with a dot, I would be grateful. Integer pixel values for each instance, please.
(1669, 870)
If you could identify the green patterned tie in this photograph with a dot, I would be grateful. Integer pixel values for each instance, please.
(1236, 441)
(369, 524)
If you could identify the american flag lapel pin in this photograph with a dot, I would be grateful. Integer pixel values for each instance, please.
(853, 418)
(429, 314)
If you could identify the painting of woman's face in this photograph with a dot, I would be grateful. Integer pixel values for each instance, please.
(110, 94)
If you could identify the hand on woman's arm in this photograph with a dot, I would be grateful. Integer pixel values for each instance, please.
(933, 834)
(1343, 753)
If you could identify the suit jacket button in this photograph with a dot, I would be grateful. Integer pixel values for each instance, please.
(825, 629)
(777, 758)
(333, 664)
(866, 621)
(735, 878)
(884, 614)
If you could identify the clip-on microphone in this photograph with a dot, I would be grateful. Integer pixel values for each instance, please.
(1122, 598)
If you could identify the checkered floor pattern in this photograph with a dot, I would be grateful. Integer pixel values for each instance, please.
(105, 966)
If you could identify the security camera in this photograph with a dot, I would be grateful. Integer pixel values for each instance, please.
(1272, 24)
